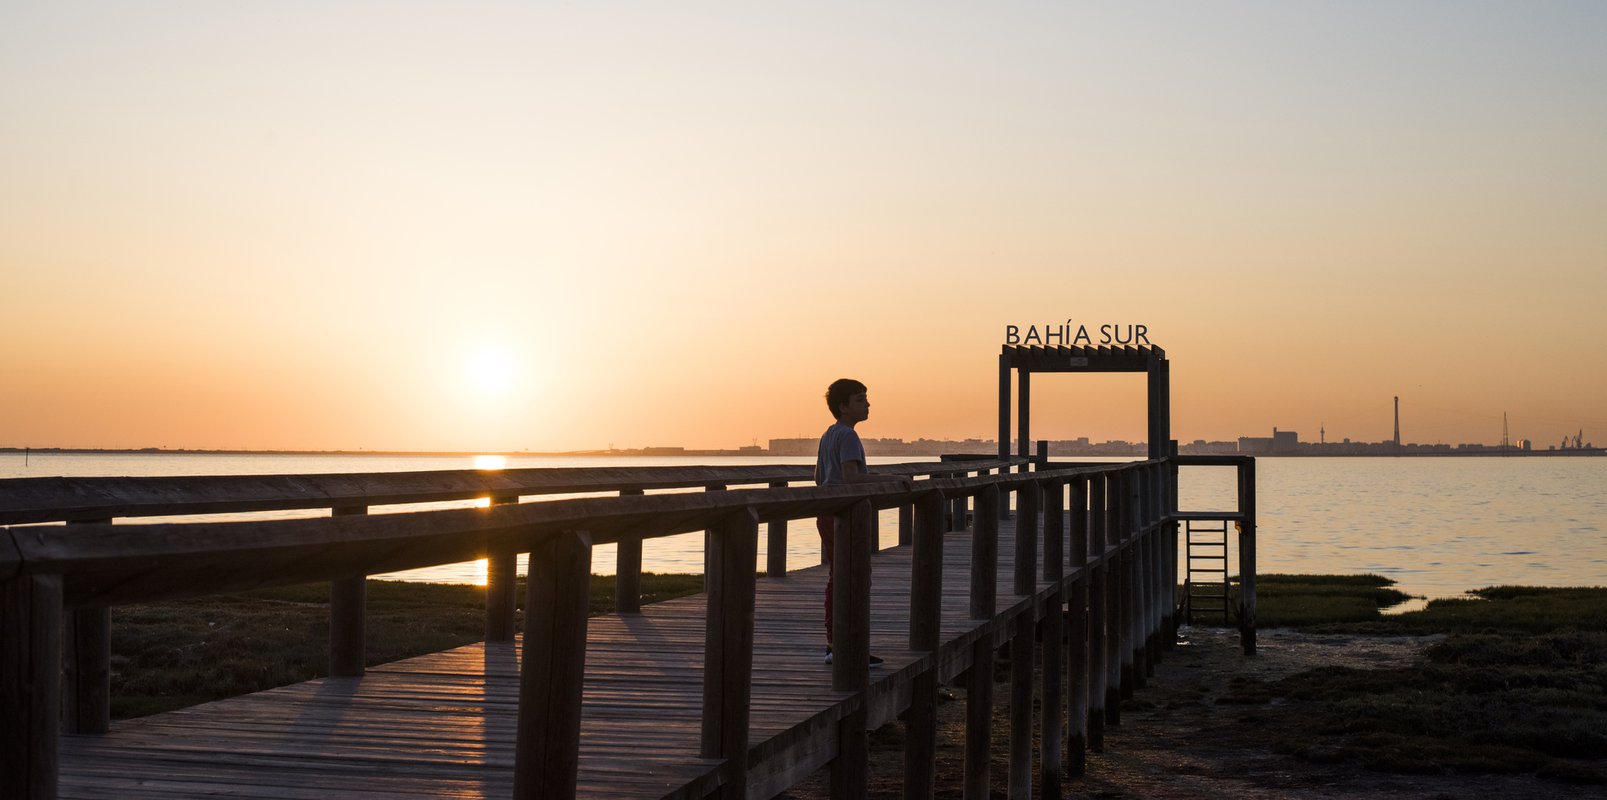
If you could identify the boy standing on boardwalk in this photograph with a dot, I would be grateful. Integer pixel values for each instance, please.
(841, 461)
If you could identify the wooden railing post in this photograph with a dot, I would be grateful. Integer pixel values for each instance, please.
(775, 560)
(1156, 530)
(1051, 728)
(1025, 584)
(979, 677)
(87, 668)
(979, 718)
(1077, 635)
(1099, 644)
(728, 648)
(628, 567)
(552, 669)
(348, 617)
(30, 684)
(1138, 592)
(708, 538)
(906, 524)
(501, 589)
(1169, 508)
(850, 666)
(1122, 666)
(985, 554)
(1019, 785)
(1028, 499)
(1247, 556)
(926, 610)
(957, 507)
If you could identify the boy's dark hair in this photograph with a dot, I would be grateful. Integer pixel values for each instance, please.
(839, 392)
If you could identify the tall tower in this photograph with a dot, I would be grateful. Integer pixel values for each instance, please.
(1397, 421)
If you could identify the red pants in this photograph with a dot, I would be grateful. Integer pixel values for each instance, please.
(828, 542)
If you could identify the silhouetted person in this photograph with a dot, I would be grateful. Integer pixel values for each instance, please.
(841, 461)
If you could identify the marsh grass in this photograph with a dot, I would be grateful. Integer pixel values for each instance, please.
(177, 653)
(1517, 684)
(1304, 600)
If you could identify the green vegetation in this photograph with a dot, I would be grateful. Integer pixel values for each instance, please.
(177, 653)
(1517, 684)
(1304, 600)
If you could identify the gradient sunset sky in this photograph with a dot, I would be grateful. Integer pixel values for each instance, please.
(552, 226)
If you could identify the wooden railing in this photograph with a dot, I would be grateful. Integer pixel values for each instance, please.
(1118, 574)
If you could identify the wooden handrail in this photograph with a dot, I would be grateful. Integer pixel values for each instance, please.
(1122, 547)
(106, 564)
(32, 500)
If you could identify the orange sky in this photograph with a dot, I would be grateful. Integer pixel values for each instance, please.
(490, 227)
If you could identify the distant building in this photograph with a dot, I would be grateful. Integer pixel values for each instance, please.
(794, 447)
(1255, 445)
(1284, 442)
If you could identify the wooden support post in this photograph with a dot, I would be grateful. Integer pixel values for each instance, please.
(1021, 662)
(708, 538)
(1157, 571)
(1028, 498)
(956, 506)
(552, 668)
(348, 617)
(1054, 531)
(1114, 632)
(1077, 638)
(1098, 614)
(1126, 595)
(978, 720)
(985, 554)
(728, 649)
(926, 608)
(775, 561)
(850, 666)
(87, 668)
(30, 685)
(628, 568)
(1138, 594)
(1169, 501)
(1023, 426)
(1247, 557)
(1041, 460)
(1051, 726)
(906, 524)
(87, 671)
(501, 590)
(926, 573)
(1004, 407)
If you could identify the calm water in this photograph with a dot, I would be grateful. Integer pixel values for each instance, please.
(1436, 526)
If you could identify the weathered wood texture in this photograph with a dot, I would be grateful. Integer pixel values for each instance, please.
(445, 724)
(29, 500)
(30, 700)
(552, 671)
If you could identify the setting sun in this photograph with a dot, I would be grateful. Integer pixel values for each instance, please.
(491, 371)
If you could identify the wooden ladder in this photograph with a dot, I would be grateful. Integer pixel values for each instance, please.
(1205, 587)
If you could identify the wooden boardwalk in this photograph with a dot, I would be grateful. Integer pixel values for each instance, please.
(443, 725)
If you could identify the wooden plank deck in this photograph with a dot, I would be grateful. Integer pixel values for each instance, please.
(442, 725)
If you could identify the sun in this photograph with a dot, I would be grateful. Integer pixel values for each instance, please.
(491, 371)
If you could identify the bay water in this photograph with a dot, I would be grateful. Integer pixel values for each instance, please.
(1437, 526)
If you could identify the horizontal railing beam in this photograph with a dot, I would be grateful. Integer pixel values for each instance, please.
(32, 500)
(113, 564)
